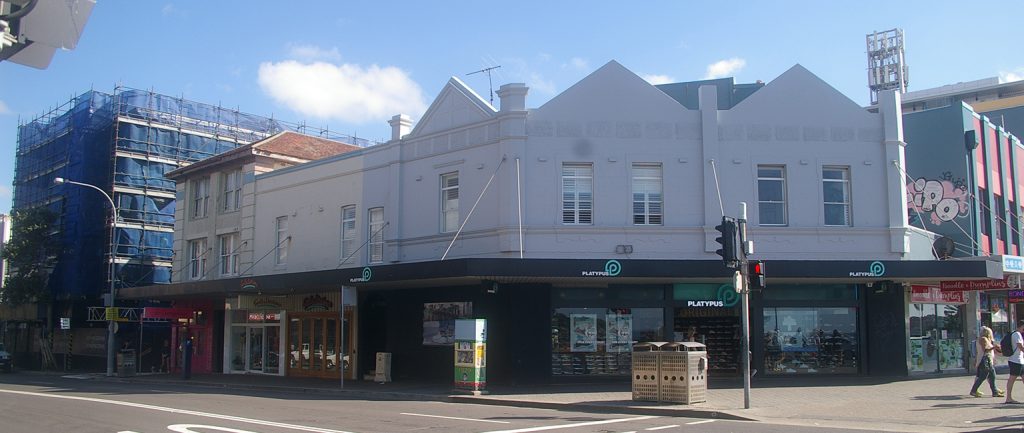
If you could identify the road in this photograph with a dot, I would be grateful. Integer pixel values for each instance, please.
(35, 404)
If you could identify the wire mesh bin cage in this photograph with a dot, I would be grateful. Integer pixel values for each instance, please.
(645, 371)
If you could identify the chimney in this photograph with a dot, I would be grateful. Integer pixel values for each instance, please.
(513, 96)
(401, 124)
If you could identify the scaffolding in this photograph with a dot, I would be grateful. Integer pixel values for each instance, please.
(124, 142)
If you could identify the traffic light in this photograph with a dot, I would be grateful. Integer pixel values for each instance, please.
(727, 239)
(755, 272)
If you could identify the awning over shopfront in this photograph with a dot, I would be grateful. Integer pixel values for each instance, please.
(574, 271)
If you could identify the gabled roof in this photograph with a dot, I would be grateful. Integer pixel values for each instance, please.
(454, 106)
(609, 91)
(289, 146)
(798, 92)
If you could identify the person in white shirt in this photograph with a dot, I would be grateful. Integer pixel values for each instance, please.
(1016, 362)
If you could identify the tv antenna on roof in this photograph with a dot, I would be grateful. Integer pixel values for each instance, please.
(489, 83)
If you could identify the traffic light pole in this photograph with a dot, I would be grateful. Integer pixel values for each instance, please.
(744, 303)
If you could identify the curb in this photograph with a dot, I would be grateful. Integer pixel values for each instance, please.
(604, 408)
(462, 399)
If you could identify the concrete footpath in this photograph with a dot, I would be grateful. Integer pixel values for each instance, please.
(920, 404)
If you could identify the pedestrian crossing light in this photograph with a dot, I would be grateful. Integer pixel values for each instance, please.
(727, 240)
(755, 272)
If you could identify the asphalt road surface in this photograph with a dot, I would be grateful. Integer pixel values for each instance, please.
(39, 404)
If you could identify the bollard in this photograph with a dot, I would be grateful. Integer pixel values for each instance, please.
(186, 370)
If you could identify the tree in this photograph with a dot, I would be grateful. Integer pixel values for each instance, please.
(30, 254)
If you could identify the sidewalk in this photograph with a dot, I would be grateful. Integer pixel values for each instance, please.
(930, 404)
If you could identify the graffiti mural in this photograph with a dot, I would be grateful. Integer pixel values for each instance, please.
(943, 198)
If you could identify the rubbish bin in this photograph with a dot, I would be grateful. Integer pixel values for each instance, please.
(645, 371)
(683, 373)
(126, 363)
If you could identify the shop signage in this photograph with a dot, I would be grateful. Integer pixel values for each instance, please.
(267, 304)
(611, 269)
(1015, 296)
(364, 278)
(261, 316)
(249, 284)
(316, 303)
(975, 284)
(876, 269)
(935, 295)
(727, 297)
(166, 313)
(1013, 264)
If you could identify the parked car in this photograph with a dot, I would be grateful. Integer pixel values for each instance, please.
(6, 362)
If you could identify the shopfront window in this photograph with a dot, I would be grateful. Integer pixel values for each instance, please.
(808, 340)
(936, 337)
(994, 314)
(711, 317)
(599, 341)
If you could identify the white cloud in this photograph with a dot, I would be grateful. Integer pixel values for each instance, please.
(724, 68)
(658, 79)
(170, 9)
(1014, 75)
(310, 53)
(578, 64)
(4, 109)
(536, 81)
(348, 92)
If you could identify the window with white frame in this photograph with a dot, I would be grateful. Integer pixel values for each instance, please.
(835, 185)
(449, 202)
(577, 193)
(232, 182)
(228, 247)
(196, 258)
(647, 194)
(376, 227)
(281, 256)
(771, 195)
(348, 232)
(200, 197)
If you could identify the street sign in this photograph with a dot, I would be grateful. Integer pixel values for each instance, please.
(65, 323)
(111, 314)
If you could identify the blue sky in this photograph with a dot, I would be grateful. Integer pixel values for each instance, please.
(350, 65)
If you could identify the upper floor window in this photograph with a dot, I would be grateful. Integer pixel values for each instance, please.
(281, 256)
(771, 195)
(577, 193)
(449, 202)
(376, 227)
(835, 185)
(228, 247)
(348, 232)
(647, 194)
(196, 258)
(200, 197)
(232, 182)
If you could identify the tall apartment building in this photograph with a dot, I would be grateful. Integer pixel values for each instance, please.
(122, 143)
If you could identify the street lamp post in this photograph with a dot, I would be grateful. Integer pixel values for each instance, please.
(110, 302)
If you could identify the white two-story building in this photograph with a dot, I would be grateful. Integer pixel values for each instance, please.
(576, 229)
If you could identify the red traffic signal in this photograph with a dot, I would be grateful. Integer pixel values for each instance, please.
(755, 271)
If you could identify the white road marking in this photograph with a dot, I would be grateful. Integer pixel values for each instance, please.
(580, 424)
(700, 422)
(187, 428)
(662, 427)
(453, 417)
(181, 411)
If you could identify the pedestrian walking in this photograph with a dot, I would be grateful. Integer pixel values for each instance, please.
(985, 369)
(1016, 361)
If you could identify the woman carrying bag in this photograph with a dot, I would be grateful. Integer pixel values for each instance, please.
(985, 366)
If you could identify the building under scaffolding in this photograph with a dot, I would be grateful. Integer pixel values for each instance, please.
(122, 143)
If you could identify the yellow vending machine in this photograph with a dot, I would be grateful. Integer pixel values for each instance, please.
(471, 356)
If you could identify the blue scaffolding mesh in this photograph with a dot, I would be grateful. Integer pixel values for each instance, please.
(124, 143)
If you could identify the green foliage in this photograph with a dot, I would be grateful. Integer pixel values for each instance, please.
(30, 256)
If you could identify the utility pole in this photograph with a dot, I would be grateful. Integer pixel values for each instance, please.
(745, 301)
